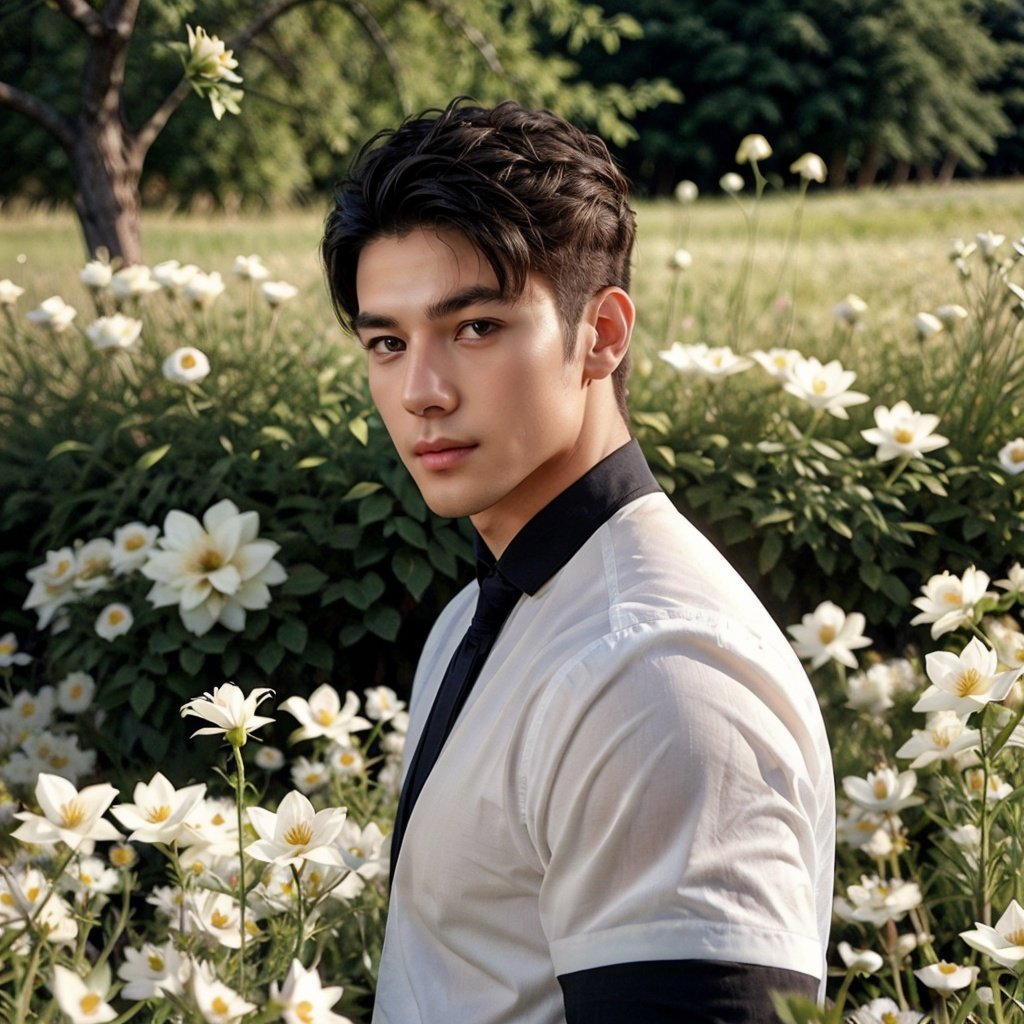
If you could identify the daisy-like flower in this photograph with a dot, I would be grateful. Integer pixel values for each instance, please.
(871, 691)
(945, 738)
(52, 585)
(993, 790)
(131, 546)
(1005, 942)
(1011, 456)
(113, 332)
(250, 268)
(829, 634)
(276, 292)
(865, 831)
(731, 183)
(965, 682)
(208, 58)
(777, 361)
(989, 243)
(159, 810)
(133, 282)
(678, 356)
(75, 692)
(309, 776)
(824, 386)
(885, 1011)
(83, 1000)
(53, 313)
(186, 365)
(204, 289)
(850, 311)
(296, 833)
(324, 715)
(752, 149)
(346, 762)
(213, 826)
(170, 274)
(232, 713)
(1014, 582)
(945, 977)
(215, 571)
(115, 620)
(70, 816)
(1007, 641)
(810, 167)
(270, 759)
(876, 902)
(96, 274)
(90, 876)
(219, 916)
(681, 259)
(686, 192)
(949, 601)
(717, 362)
(950, 314)
(862, 961)
(365, 852)
(9, 292)
(883, 790)
(155, 970)
(217, 1003)
(927, 325)
(382, 703)
(303, 1000)
(9, 654)
(92, 565)
(903, 433)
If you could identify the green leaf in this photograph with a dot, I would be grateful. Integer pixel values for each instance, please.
(771, 550)
(363, 489)
(351, 634)
(310, 462)
(191, 660)
(383, 621)
(269, 656)
(411, 532)
(163, 643)
(292, 635)
(277, 434)
(870, 574)
(360, 431)
(141, 695)
(67, 446)
(149, 459)
(319, 655)
(374, 508)
(230, 662)
(413, 571)
(212, 643)
(303, 579)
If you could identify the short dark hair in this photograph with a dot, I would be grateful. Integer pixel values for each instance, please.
(530, 191)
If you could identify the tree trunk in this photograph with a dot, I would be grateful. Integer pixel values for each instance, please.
(901, 174)
(837, 168)
(948, 169)
(868, 170)
(107, 195)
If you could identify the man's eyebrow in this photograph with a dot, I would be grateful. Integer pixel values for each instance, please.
(436, 310)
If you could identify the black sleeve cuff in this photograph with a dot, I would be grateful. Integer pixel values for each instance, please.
(668, 991)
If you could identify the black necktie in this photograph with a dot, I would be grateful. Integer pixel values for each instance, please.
(497, 598)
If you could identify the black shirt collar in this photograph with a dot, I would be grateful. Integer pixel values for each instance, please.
(547, 542)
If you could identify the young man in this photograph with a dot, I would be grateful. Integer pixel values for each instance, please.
(618, 797)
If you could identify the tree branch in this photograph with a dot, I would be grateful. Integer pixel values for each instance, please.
(455, 20)
(146, 135)
(60, 127)
(377, 35)
(120, 16)
(269, 13)
(87, 18)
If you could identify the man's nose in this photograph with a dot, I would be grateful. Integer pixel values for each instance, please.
(428, 388)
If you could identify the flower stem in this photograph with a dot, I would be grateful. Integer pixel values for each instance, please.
(239, 803)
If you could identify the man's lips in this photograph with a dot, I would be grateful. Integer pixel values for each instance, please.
(442, 453)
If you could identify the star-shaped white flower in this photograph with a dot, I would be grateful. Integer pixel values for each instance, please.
(69, 815)
(324, 715)
(903, 433)
(883, 790)
(965, 682)
(303, 1000)
(949, 601)
(296, 832)
(824, 386)
(1005, 942)
(829, 634)
(159, 811)
(232, 712)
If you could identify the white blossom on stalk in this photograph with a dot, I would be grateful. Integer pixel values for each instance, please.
(250, 268)
(1008, 643)
(212, 825)
(96, 274)
(989, 243)
(296, 832)
(114, 332)
(9, 652)
(824, 386)
(900, 432)
(945, 977)
(75, 692)
(1011, 456)
(681, 259)
(731, 182)
(186, 365)
(862, 961)
(203, 289)
(849, 311)
(133, 282)
(945, 737)
(810, 167)
(777, 361)
(864, 830)
(173, 276)
(884, 1011)
(232, 713)
(303, 999)
(686, 192)
(53, 313)
(82, 1000)
(950, 314)
(209, 58)
(716, 362)
(158, 812)
(346, 761)
(877, 901)
(9, 292)
(967, 681)
(961, 250)
(92, 565)
(752, 149)
(1014, 582)
(992, 787)
(949, 602)
(90, 876)
(33, 711)
(927, 325)
(883, 790)
(219, 916)
(276, 292)
(308, 776)
(217, 1003)
(678, 356)
(155, 970)
(365, 852)
(131, 546)
(382, 703)
(113, 621)
(26, 895)
(1005, 942)
(215, 571)
(829, 634)
(70, 816)
(871, 691)
(324, 715)
(270, 759)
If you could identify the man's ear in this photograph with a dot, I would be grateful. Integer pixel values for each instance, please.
(607, 327)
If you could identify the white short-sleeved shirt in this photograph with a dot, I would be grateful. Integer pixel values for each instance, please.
(640, 773)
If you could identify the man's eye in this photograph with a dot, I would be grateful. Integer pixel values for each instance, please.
(478, 328)
(385, 345)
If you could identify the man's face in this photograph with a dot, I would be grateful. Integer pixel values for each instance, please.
(473, 388)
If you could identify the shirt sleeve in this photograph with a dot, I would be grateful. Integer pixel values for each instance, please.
(671, 811)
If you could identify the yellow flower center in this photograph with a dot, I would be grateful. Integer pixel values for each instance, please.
(880, 789)
(76, 691)
(903, 436)
(819, 387)
(58, 761)
(115, 617)
(90, 1003)
(28, 709)
(134, 542)
(304, 1011)
(210, 561)
(312, 778)
(219, 1006)
(826, 634)
(6, 899)
(72, 814)
(7, 648)
(299, 834)
(324, 717)
(1017, 455)
(347, 759)
(122, 856)
(890, 1018)
(945, 968)
(62, 566)
(161, 813)
(1016, 937)
(219, 919)
(968, 683)
(85, 879)
(217, 819)
(155, 962)
(188, 361)
(953, 597)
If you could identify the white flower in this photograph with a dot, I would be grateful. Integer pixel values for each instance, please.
(1011, 456)
(203, 289)
(945, 738)
(681, 259)
(959, 249)
(270, 759)
(90, 876)
(1005, 942)
(731, 182)
(115, 620)
(1014, 582)
(686, 192)
(154, 970)
(863, 961)
(215, 571)
(132, 282)
(92, 563)
(26, 895)
(989, 242)
(883, 790)
(810, 167)
(69, 815)
(303, 1000)
(296, 832)
(217, 1003)
(850, 310)
(949, 601)
(365, 852)
(209, 58)
(323, 715)
(829, 634)
(824, 386)
(965, 682)
(232, 712)
(250, 268)
(186, 365)
(885, 1011)
(83, 1002)
(9, 652)
(9, 292)
(945, 977)
(131, 546)
(995, 790)
(96, 274)
(866, 831)
(871, 691)
(903, 433)
(678, 356)
(115, 331)
(926, 325)
(33, 710)
(777, 361)
(213, 825)
(219, 916)
(53, 313)
(717, 362)
(346, 761)
(173, 276)
(752, 149)
(159, 811)
(308, 776)
(382, 703)
(276, 292)
(875, 901)
(950, 314)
